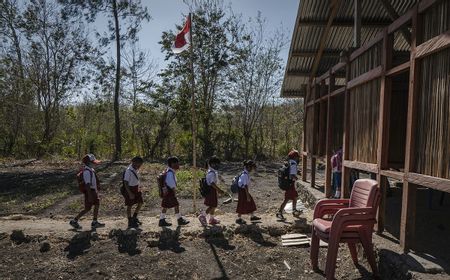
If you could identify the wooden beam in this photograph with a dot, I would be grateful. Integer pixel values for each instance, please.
(393, 174)
(312, 53)
(293, 93)
(366, 77)
(436, 183)
(367, 46)
(369, 167)
(349, 22)
(398, 69)
(399, 22)
(304, 152)
(297, 73)
(334, 7)
(394, 15)
(434, 45)
(314, 137)
(337, 91)
(425, 4)
(337, 67)
(357, 23)
(408, 214)
(329, 140)
(345, 190)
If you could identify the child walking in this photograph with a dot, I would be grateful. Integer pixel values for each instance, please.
(211, 198)
(246, 204)
(131, 191)
(336, 165)
(291, 193)
(169, 198)
(91, 187)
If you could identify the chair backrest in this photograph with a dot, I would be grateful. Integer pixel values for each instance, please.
(365, 193)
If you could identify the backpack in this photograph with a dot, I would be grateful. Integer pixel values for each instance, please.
(161, 179)
(284, 180)
(235, 184)
(80, 180)
(204, 188)
(122, 188)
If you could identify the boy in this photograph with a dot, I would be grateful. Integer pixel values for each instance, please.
(91, 197)
(336, 165)
(169, 199)
(131, 191)
(211, 197)
(291, 192)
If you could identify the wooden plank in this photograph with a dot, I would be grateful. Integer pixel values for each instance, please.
(312, 53)
(334, 6)
(434, 45)
(357, 26)
(296, 73)
(337, 67)
(381, 213)
(323, 77)
(436, 183)
(329, 140)
(345, 190)
(296, 243)
(304, 152)
(293, 236)
(369, 167)
(393, 174)
(394, 15)
(367, 46)
(408, 214)
(313, 172)
(337, 91)
(349, 22)
(366, 77)
(399, 22)
(425, 4)
(398, 69)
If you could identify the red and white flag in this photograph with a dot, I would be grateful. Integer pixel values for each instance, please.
(183, 41)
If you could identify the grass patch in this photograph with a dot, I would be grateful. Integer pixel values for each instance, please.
(43, 202)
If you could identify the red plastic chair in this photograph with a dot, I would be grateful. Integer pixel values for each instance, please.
(352, 221)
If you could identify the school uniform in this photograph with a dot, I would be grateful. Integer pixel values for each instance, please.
(89, 177)
(170, 200)
(131, 176)
(291, 193)
(211, 197)
(244, 206)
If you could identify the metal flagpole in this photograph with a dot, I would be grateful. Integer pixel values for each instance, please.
(194, 120)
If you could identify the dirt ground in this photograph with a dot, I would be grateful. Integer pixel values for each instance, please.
(39, 198)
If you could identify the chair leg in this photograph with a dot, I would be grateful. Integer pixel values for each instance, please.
(366, 239)
(330, 266)
(314, 254)
(353, 252)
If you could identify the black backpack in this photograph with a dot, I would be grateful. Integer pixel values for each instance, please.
(234, 187)
(284, 180)
(204, 188)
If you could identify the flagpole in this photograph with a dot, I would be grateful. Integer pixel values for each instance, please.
(194, 119)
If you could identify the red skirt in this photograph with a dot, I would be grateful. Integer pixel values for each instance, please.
(211, 198)
(137, 196)
(169, 200)
(244, 206)
(95, 199)
(291, 193)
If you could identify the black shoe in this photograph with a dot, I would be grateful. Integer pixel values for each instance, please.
(297, 212)
(280, 216)
(240, 221)
(96, 224)
(74, 223)
(163, 223)
(137, 221)
(132, 223)
(182, 221)
(255, 218)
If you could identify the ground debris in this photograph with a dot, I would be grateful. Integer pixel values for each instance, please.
(18, 237)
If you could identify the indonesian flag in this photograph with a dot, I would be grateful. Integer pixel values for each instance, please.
(182, 41)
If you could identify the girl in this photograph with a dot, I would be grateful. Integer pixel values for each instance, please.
(246, 204)
(211, 198)
(291, 192)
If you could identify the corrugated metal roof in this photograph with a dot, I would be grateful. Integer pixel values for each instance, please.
(310, 24)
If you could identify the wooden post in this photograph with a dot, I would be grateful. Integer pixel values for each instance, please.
(345, 191)
(383, 124)
(408, 215)
(357, 24)
(194, 121)
(314, 143)
(305, 116)
(329, 139)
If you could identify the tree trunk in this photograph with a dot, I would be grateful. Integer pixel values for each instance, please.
(118, 140)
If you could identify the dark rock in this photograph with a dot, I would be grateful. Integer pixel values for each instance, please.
(18, 237)
(45, 247)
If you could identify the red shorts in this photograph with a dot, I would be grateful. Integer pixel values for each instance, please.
(137, 196)
(169, 200)
(291, 193)
(244, 206)
(95, 199)
(211, 198)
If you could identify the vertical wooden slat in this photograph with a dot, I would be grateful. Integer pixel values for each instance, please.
(383, 123)
(305, 158)
(357, 24)
(345, 190)
(408, 215)
(329, 139)
(314, 143)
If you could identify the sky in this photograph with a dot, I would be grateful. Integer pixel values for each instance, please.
(166, 13)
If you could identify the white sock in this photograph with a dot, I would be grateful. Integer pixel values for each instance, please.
(211, 217)
(178, 215)
(162, 216)
(203, 213)
(338, 194)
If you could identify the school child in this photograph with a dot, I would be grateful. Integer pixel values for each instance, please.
(291, 192)
(211, 198)
(169, 198)
(91, 197)
(246, 204)
(336, 165)
(131, 190)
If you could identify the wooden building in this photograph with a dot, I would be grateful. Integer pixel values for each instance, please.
(375, 78)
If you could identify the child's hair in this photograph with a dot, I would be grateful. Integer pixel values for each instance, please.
(213, 160)
(172, 160)
(137, 159)
(249, 163)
